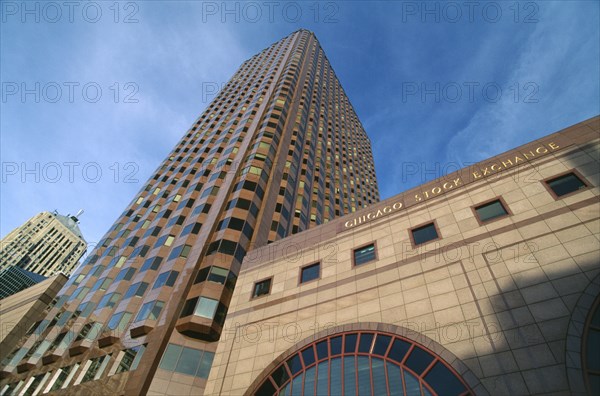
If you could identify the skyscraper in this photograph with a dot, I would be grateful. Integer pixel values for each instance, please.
(278, 151)
(47, 244)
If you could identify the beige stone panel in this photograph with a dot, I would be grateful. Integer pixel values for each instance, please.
(415, 294)
(418, 308)
(582, 245)
(444, 301)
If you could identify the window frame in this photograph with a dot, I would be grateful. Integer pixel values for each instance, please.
(485, 222)
(412, 238)
(575, 172)
(354, 264)
(319, 263)
(253, 297)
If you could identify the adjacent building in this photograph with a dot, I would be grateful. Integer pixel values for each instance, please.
(483, 282)
(280, 150)
(47, 244)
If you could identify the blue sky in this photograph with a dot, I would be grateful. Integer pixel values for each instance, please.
(95, 96)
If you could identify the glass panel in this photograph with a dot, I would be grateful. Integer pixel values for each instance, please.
(490, 211)
(418, 360)
(64, 373)
(280, 375)
(294, 364)
(169, 359)
(188, 361)
(381, 344)
(350, 345)
(336, 345)
(364, 376)
(205, 365)
(218, 275)
(144, 311)
(322, 351)
(286, 390)
(335, 378)
(308, 355)
(206, 307)
(595, 384)
(424, 234)
(379, 385)
(395, 379)
(412, 384)
(596, 317)
(398, 350)
(263, 287)
(565, 184)
(443, 381)
(366, 339)
(297, 385)
(309, 382)
(322, 377)
(593, 344)
(349, 376)
(364, 255)
(310, 273)
(266, 389)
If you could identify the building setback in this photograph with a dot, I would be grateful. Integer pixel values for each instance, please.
(484, 282)
(47, 244)
(280, 150)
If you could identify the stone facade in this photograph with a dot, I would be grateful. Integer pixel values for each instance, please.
(504, 302)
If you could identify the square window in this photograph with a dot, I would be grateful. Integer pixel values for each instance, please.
(261, 288)
(424, 234)
(364, 254)
(206, 307)
(490, 210)
(310, 272)
(565, 184)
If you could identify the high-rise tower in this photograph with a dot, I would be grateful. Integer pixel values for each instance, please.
(278, 151)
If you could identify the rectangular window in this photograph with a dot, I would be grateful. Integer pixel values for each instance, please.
(261, 288)
(565, 184)
(424, 234)
(119, 321)
(206, 308)
(166, 279)
(109, 300)
(151, 264)
(364, 254)
(151, 310)
(137, 289)
(131, 359)
(310, 272)
(491, 210)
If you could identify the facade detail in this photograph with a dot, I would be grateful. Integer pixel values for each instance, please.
(47, 244)
(494, 279)
(280, 150)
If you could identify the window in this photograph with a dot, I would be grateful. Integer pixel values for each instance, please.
(187, 361)
(200, 306)
(109, 300)
(152, 264)
(131, 359)
(137, 289)
(565, 184)
(261, 288)
(151, 310)
(89, 331)
(119, 321)
(166, 279)
(96, 368)
(180, 251)
(125, 274)
(310, 272)
(490, 211)
(424, 234)
(364, 254)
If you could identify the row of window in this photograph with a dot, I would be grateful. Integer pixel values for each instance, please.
(560, 186)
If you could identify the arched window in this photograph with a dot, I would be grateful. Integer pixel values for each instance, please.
(590, 347)
(363, 363)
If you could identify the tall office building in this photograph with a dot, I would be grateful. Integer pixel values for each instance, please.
(47, 244)
(278, 151)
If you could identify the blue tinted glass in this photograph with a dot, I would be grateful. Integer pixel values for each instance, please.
(398, 350)
(335, 379)
(280, 375)
(349, 376)
(188, 361)
(381, 344)
(443, 381)
(309, 382)
(565, 184)
(310, 273)
(366, 339)
(418, 360)
(336, 345)
(322, 377)
(309, 356)
(169, 359)
(490, 211)
(322, 351)
(297, 385)
(205, 365)
(364, 255)
(294, 364)
(395, 378)
(286, 390)
(379, 385)
(424, 234)
(412, 384)
(364, 376)
(350, 345)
